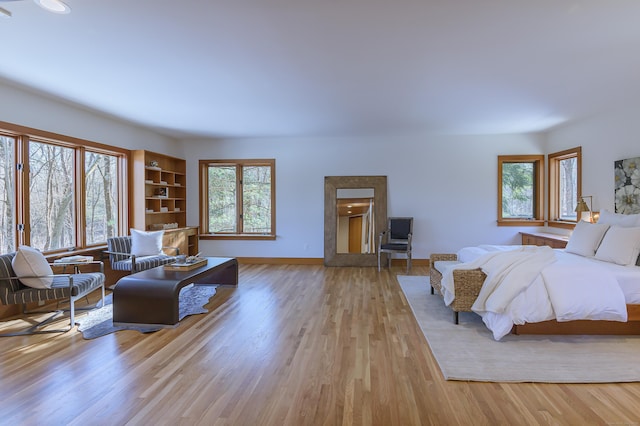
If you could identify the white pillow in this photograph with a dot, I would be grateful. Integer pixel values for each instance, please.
(585, 238)
(146, 243)
(29, 262)
(620, 245)
(618, 219)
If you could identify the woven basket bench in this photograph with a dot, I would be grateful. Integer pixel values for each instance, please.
(467, 283)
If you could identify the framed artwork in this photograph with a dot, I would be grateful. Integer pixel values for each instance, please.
(627, 185)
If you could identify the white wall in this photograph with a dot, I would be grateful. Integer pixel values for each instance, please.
(604, 139)
(25, 108)
(447, 183)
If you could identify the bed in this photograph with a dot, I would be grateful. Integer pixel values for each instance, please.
(590, 287)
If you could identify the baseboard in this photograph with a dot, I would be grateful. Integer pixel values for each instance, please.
(312, 261)
(280, 260)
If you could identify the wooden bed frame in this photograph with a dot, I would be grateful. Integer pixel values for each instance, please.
(632, 326)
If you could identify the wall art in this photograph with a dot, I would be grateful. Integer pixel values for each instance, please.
(627, 185)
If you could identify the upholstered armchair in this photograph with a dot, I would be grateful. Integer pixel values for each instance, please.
(26, 277)
(126, 255)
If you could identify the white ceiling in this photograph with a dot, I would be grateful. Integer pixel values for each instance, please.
(235, 68)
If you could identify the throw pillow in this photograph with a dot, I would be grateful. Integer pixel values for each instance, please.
(620, 245)
(586, 238)
(29, 262)
(617, 219)
(146, 243)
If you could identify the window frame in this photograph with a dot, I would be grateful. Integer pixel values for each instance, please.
(538, 190)
(23, 136)
(14, 218)
(553, 171)
(203, 168)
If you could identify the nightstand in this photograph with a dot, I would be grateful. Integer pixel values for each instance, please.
(544, 239)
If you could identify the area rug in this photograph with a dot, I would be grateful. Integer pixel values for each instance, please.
(467, 351)
(99, 322)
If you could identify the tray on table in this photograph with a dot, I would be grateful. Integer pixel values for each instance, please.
(185, 266)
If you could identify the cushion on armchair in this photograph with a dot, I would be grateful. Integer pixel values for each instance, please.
(29, 262)
(146, 243)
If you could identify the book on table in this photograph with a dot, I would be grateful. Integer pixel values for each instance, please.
(74, 259)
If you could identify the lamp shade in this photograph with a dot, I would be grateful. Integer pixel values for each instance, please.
(582, 206)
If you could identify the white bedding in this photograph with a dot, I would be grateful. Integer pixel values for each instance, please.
(533, 284)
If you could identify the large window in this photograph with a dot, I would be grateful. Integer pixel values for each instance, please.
(101, 196)
(7, 194)
(237, 199)
(520, 186)
(565, 170)
(51, 197)
(59, 193)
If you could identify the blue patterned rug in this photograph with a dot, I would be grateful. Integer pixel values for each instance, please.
(99, 322)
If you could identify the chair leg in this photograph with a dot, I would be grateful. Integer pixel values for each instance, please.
(455, 317)
(34, 328)
(378, 260)
(72, 313)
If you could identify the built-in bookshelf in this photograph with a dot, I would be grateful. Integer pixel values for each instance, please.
(158, 196)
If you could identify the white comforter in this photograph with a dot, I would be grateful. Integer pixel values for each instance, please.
(533, 284)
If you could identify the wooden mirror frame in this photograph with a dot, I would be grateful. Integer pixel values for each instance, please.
(331, 186)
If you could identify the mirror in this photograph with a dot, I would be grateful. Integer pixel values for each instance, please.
(367, 196)
(355, 226)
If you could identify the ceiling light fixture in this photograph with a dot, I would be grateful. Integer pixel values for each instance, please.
(55, 6)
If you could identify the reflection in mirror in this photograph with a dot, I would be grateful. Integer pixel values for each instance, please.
(350, 238)
(355, 227)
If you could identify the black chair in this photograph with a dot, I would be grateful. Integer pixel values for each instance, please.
(396, 239)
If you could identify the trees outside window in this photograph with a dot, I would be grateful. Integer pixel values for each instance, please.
(238, 198)
(7, 194)
(101, 196)
(51, 197)
(55, 196)
(565, 182)
(221, 199)
(520, 184)
(59, 193)
(256, 199)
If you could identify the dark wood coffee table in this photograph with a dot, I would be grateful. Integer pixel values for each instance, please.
(153, 296)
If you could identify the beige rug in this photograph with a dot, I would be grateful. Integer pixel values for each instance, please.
(468, 352)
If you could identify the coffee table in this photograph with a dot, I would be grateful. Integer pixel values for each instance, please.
(152, 297)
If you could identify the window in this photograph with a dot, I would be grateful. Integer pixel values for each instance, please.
(59, 193)
(101, 196)
(7, 194)
(238, 199)
(565, 170)
(51, 197)
(520, 185)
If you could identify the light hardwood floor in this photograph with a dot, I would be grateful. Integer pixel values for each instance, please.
(292, 345)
